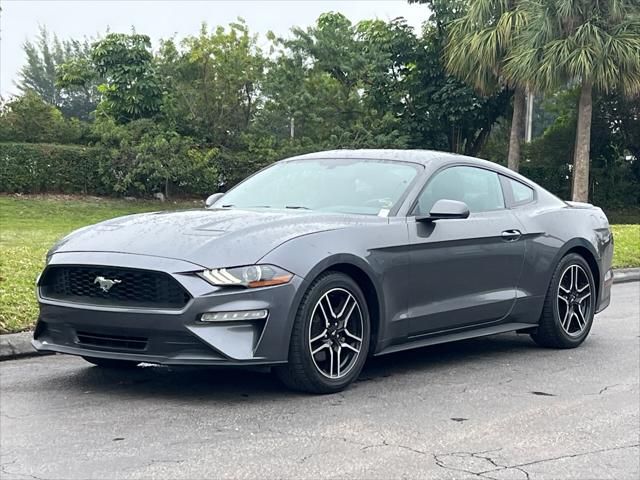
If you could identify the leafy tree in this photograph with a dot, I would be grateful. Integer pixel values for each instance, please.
(476, 49)
(78, 82)
(390, 76)
(39, 73)
(453, 111)
(335, 76)
(455, 118)
(131, 89)
(214, 81)
(592, 43)
(315, 78)
(29, 118)
(45, 58)
(326, 82)
(444, 12)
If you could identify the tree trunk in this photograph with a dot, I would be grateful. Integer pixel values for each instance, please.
(476, 144)
(517, 129)
(583, 144)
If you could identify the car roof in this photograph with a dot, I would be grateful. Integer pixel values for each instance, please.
(422, 157)
(415, 156)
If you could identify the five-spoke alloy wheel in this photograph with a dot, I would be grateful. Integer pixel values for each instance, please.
(570, 305)
(330, 338)
(574, 300)
(335, 333)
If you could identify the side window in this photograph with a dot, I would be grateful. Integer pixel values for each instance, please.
(480, 189)
(521, 193)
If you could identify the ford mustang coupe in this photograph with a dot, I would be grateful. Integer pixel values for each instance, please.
(319, 261)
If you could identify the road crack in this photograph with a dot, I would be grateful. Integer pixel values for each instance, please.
(581, 454)
(4, 471)
(610, 387)
(441, 461)
(394, 445)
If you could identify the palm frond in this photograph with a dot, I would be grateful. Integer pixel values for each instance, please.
(574, 40)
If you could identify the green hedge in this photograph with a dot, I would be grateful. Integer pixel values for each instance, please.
(138, 170)
(42, 168)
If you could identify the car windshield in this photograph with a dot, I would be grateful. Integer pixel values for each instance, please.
(369, 187)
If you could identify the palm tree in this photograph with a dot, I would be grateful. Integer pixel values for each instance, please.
(476, 50)
(589, 43)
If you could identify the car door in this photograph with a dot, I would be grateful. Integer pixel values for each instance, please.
(463, 272)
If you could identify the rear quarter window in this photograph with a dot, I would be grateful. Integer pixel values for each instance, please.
(520, 192)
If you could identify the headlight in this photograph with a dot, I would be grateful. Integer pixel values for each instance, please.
(252, 276)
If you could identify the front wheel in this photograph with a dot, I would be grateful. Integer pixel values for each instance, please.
(569, 306)
(330, 337)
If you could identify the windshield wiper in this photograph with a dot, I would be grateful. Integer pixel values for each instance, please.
(251, 206)
(292, 207)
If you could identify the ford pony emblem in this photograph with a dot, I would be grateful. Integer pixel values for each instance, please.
(106, 283)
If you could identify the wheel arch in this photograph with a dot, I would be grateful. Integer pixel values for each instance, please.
(583, 248)
(362, 274)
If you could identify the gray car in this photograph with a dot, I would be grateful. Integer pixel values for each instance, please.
(322, 260)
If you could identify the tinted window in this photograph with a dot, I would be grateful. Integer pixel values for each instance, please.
(368, 187)
(521, 193)
(478, 188)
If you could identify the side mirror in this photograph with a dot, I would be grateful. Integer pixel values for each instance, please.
(211, 199)
(445, 209)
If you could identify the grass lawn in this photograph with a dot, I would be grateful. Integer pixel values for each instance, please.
(30, 225)
(626, 252)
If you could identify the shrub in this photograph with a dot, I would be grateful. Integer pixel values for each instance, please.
(28, 118)
(154, 163)
(142, 158)
(40, 168)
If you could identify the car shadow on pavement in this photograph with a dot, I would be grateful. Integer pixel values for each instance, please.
(213, 384)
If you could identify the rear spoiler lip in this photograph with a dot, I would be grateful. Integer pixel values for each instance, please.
(596, 213)
(579, 204)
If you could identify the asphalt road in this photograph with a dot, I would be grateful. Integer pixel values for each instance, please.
(488, 408)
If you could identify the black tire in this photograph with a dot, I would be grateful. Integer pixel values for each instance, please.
(111, 363)
(302, 372)
(550, 332)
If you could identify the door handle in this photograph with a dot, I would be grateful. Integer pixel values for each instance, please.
(511, 235)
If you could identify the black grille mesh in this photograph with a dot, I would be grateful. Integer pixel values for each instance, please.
(137, 288)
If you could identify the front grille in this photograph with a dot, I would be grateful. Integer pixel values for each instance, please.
(131, 287)
(111, 341)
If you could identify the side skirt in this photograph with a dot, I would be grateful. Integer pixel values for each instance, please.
(454, 337)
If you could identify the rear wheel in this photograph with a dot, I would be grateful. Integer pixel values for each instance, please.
(111, 363)
(569, 307)
(330, 337)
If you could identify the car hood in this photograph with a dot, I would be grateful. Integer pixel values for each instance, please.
(209, 238)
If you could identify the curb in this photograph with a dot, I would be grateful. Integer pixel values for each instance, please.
(17, 345)
(14, 345)
(624, 275)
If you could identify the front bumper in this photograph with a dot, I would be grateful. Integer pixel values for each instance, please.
(173, 337)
